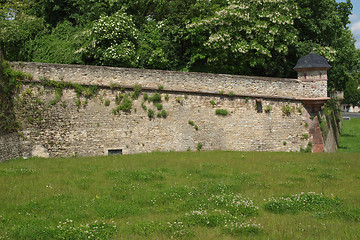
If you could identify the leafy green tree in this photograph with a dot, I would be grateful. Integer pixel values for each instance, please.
(62, 45)
(113, 41)
(155, 48)
(352, 93)
(246, 37)
(324, 23)
(15, 33)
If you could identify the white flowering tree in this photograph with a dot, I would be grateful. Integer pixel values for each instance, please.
(246, 35)
(113, 41)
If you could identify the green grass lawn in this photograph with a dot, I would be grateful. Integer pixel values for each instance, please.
(350, 136)
(199, 195)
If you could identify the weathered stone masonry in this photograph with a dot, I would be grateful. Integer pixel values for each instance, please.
(67, 129)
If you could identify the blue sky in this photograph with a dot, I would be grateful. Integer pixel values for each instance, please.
(355, 20)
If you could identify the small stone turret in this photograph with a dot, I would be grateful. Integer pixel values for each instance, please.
(312, 67)
(312, 72)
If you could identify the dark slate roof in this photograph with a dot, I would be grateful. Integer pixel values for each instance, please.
(312, 60)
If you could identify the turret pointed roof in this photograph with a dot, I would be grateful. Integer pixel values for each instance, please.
(312, 61)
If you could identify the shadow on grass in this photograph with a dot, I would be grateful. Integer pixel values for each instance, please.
(347, 135)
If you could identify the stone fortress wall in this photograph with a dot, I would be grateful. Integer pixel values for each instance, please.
(87, 127)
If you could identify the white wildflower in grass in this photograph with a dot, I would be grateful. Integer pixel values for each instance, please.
(234, 203)
(310, 201)
(97, 230)
(238, 228)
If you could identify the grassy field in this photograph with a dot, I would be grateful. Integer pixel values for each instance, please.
(350, 136)
(201, 195)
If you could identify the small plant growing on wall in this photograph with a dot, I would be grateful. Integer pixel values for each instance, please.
(268, 109)
(191, 123)
(137, 92)
(179, 100)
(196, 127)
(307, 149)
(222, 112)
(299, 110)
(213, 103)
(58, 95)
(221, 92)
(247, 99)
(199, 146)
(161, 87)
(287, 110)
(119, 98)
(125, 105)
(78, 102)
(159, 106)
(150, 113)
(143, 106)
(114, 85)
(156, 98)
(231, 94)
(162, 114)
(145, 96)
(107, 102)
(305, 136)
(166, 97)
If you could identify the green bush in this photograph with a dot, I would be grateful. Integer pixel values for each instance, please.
(156, 98)
(137, 92)
(150, 113)
(222, 112)
(125, 104)
(162, 114)
(159, 106)
(143, 106)
(306, 150)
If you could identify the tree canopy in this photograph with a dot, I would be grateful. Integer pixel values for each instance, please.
(252, 37)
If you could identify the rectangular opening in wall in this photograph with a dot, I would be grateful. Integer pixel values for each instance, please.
(114, 151)
(258, 106)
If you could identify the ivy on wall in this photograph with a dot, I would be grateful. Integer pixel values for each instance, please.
(10, 82)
